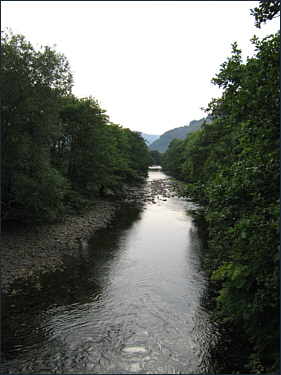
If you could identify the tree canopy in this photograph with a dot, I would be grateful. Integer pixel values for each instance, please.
(232, 167)
(58, 152)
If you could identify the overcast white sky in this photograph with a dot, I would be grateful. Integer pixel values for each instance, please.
(148, 63)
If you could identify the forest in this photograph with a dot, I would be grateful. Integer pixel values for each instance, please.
(59, 152)
(232, 168)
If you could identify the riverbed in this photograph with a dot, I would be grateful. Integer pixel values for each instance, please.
(27, 252)
(129, 299)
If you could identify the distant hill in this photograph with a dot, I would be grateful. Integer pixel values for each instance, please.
(150, 138)
(163, 142)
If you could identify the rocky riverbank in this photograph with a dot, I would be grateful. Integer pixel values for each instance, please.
(27, 252)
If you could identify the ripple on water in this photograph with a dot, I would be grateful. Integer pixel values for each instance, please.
(135, 350)
(132, 302)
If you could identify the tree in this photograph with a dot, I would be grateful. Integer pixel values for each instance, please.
(32, 82)
(173, 158)
(196, 152)
(267, 10)
(243, 199)
(95, 154)
(140, 158)
(58, 151)
(237, 180)
(157, 157)
(83, 146)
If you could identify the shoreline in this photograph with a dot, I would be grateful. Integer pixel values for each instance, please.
(28, 252)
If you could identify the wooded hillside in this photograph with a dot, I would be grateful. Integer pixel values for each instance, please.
(163, 142)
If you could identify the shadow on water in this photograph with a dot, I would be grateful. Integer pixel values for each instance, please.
(227, 348)
(131, 300)
(81, 282)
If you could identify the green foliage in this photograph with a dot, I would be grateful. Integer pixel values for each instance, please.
(156, 156)
(182, 132)
(94, 154)
(243, 199)
(58, 151)
(196, 152)
(31, 84)
(139, 154)
(267, 10)
(233, 169)
(173, 158)
(84, 147)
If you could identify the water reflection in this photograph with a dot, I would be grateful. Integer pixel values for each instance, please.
(128, 302)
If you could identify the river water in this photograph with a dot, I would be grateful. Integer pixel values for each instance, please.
(130, 301)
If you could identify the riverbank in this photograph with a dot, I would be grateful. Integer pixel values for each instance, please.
(27, 252)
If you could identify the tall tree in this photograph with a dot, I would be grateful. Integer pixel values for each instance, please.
(244, 197)
(85, 145)
(31, 83)
(140, 158)
(173, 158)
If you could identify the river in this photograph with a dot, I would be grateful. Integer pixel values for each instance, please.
(130, 301)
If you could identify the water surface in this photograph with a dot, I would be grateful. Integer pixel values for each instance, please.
(128, 302)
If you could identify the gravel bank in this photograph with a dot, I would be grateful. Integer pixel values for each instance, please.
(26, 252)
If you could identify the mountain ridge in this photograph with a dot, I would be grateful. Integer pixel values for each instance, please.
(161, 144)
(150, 138)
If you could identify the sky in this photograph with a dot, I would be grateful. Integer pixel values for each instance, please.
(148, 63)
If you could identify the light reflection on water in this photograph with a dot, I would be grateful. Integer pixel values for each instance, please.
(128, 303)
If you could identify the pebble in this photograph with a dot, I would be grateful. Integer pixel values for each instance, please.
(28, 252)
